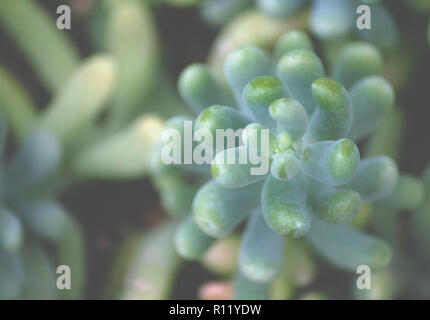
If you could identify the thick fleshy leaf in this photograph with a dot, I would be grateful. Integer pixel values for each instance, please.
(298, 69)
(81, 99)
(285, 165)
(243, 65)
(332, 18)
(221, 118)
(257, 137)
(235, 168)
(190, 241)
(332, 118)
(348, 248)
(283, 206)
(332, 204)
(357, 61)
(200, 89)
(290, 117)
(292, 40)
(53, 60)
(258, 96)
(376, 178)
(131, 38)
(331, 162)
(372, 99)
(261, 250)
(218, 210)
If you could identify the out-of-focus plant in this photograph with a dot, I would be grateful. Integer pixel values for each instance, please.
(36, 232)
(329, 19)
(95, 127)
(317, 182)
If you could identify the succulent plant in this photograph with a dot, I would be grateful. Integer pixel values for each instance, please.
(317, 182)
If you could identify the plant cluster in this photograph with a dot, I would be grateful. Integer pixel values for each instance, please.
(317, 181)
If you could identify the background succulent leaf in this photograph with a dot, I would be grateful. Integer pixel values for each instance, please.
(81, 99)
(346, 247)
(16, 105)
(51, 53)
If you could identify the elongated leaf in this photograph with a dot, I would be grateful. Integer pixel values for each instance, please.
(230, 171)
(372, 100)
(81, 99)
(190, 241)
(51, 53)
(218, 210)
(152, 266)
(122, 155)
(348, 248)
(199, 88)
(357, 61)
(243, 65)
(290, 117)
(292, 40)
(259, 95)
(331, 162)
(333, 205)
(132, 40)
(17, 107)
(332, 18)
(332, 119)
(376, 178)
(261, 250)
(283, 206)
(298, 69)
